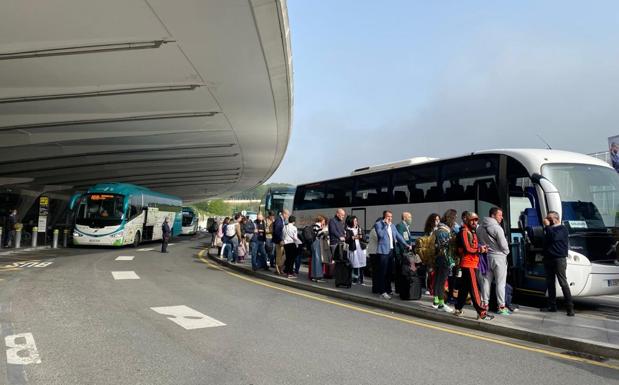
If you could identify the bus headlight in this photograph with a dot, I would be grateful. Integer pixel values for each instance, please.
(118, 234)
(76, 234)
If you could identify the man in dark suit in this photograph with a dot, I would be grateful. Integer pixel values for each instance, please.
(388, 237)
(167, 233)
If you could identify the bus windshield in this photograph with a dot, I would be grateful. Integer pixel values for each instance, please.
(589, 194)
(188, 218)
(100, 210)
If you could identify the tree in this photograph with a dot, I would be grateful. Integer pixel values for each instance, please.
(218, 207)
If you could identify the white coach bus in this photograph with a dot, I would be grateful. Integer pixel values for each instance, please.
(525, 183)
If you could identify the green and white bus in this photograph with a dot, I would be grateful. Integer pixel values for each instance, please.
(118, 214)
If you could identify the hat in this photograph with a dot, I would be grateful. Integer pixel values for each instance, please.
(472, 215)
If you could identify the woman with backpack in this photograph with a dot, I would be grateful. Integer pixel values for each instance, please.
(319, 233)
(445, 236)
(424, 247)
(356, 249)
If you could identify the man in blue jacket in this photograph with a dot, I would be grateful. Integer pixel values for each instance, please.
(388, 236)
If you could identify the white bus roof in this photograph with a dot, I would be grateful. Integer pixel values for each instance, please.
(389, 166)
(531, 158)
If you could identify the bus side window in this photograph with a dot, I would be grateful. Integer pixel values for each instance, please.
(133, 212)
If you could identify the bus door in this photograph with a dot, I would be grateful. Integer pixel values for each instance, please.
(359, 212)
(526, 254)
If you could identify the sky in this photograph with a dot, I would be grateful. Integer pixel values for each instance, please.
(381, 81)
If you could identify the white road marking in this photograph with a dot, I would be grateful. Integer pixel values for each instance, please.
(171, 244)
(125, 275)
(15, 347)
(146, 249)
(125, 258)
(187, 317)
(33, 263)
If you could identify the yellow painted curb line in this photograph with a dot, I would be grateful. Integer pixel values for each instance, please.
(409, 321)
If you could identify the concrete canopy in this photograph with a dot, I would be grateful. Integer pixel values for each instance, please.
(188, 97)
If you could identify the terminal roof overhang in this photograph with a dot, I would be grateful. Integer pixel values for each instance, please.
(187, 97)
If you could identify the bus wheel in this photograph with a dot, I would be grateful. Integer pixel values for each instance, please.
(136, 239)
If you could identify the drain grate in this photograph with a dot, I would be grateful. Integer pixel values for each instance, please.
(587, 356)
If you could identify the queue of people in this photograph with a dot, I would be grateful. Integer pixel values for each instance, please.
(462, 263)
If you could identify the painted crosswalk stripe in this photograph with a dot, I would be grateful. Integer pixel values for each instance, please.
(146, 249)
(125, 258)
(171, 244)
(125, 275)
(187, 317)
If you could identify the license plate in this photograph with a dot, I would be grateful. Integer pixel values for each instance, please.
(613, 282)
(94, 241)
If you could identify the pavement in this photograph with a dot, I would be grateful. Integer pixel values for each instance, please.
(183, 319)
(594, 332)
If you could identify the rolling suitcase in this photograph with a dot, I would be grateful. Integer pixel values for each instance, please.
(415, 287)
(329, 270)
(343, 275)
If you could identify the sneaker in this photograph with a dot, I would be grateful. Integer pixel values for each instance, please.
(503, 311)
(457, 313)
(385, 296)
(427, 292)
(435, 305)
(486, 317)
(446, 309)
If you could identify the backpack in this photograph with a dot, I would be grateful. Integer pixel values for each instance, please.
(308, 234)
(425, 247)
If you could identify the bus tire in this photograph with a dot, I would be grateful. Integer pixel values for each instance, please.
(136, 239)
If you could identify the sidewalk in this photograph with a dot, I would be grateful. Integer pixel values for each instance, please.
(586, 333)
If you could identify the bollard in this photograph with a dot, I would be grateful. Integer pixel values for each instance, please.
(17, 238)
(55, 239)
(35, 235)
(65, 238)
(1, 238)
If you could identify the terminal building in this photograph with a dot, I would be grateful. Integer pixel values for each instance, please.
(191, 98)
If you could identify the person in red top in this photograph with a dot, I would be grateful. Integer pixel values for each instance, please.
(469, 250)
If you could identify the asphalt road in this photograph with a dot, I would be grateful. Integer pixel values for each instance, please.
(90, 328)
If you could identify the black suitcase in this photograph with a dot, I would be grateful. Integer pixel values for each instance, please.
(343, 275)
(410, 289)
(415, 287)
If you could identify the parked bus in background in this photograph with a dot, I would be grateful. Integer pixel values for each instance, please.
(117, 214)
(276, 199)
(189, 221)
(525, 183)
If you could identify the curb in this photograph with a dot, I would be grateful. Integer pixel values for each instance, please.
(567, 344)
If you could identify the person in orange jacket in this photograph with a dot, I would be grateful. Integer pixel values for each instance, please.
(469, 250)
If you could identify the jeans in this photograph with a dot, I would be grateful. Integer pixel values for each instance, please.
(232, 249)
(258, 255)
(555, 268)
(297, 261)
(271, 253)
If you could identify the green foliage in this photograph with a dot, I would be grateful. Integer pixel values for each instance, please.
(219, 207)
(258, 192)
